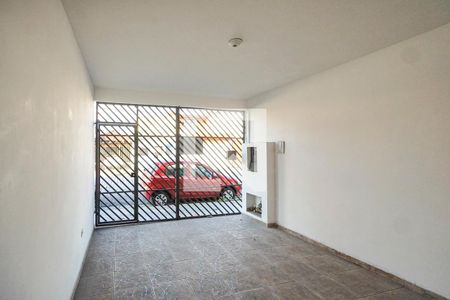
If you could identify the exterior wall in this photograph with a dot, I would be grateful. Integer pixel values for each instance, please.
(46, 153)
(367, 165)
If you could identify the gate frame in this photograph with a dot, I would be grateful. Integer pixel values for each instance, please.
(97, 173)
(136, 157)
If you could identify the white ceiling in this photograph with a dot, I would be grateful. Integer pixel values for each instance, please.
(181, 46)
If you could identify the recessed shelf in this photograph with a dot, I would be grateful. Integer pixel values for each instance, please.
(258, 184)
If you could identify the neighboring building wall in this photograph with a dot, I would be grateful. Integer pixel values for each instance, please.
(367, 163)
(46, 153)
(214, 155)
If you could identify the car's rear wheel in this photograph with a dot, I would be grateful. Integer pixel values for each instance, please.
(228, 193)
(161, 198)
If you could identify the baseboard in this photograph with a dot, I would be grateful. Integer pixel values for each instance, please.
(74, 289)
(272, 225)
(360, 263)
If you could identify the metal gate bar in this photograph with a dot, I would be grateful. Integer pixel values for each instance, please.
(113, 170)
(157, 163)
(214, 131)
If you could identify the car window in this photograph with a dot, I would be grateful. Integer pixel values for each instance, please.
(202, 172)
(170, 170)
(150, 167)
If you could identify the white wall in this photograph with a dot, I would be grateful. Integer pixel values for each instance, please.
(46, 152)
(256, 125)
(367, 163)
(161, 98)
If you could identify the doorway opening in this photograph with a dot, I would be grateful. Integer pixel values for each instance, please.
(158, 163)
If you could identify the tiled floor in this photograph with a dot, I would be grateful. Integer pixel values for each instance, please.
(232, 257)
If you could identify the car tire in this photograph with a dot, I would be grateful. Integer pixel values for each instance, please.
(228, 193)
(161, 198)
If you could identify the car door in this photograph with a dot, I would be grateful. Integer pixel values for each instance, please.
(207, 181)
(190, 186)
(170, 180)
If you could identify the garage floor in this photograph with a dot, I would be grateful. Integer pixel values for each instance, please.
(231, 257)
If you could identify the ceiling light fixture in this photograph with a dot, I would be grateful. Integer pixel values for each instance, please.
(234, 42)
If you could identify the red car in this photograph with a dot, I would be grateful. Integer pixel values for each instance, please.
(196, 181)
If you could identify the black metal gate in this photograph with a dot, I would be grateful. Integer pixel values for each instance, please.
(156, 163)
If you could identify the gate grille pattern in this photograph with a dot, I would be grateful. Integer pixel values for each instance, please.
(158, 163)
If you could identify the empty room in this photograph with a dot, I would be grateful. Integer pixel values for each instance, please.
(224, 149)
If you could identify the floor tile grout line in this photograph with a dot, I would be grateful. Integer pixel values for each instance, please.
(380, 293)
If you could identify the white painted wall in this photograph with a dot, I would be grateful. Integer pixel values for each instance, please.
(256, 125)
(367, 163)
(46, 152)
(163, 98)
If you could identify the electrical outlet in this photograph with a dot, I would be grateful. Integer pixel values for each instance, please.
(82, 231)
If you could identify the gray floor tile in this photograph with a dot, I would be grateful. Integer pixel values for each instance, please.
(246, 280)
(157, 256)
(134, 261)
(98, 266)
(164, 273)
(243, 234)
(148, 243)
(329, 264)
(297, 270)
(276, 254)
(95, 285)
(327, 288)
(184, 251)
(257, 294)
(233, 257)
(398, 294)
(192, 268)
(261, 241)
(127, 247)
(250, 258)
(203, 239)
(104, 235)
(101, 250)
(294, 291)
(130, 233)
(209, 249)
(132, 278)
(236, 245)
(103, 241)
(364, 283)
(179, 289)
(136, 293)
(223, 262)
(213, 286)
(271, 274)
(108, 296)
